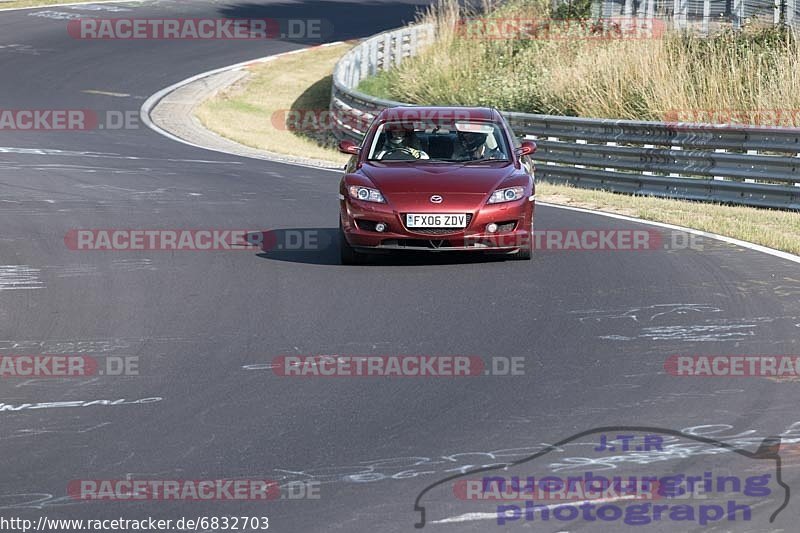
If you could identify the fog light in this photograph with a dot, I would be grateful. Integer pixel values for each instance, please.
(380, 227)
(491, 228)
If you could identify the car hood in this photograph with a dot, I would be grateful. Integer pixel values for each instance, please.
(437, 177)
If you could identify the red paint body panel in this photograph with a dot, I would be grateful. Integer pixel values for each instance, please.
(407, 187)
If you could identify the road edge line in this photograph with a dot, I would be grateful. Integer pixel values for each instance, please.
(730, 240)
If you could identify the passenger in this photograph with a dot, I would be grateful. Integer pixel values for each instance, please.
(473, 146)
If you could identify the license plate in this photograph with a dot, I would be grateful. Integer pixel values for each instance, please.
(432, 220)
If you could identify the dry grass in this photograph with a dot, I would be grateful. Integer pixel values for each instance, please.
(253, 112)
(38, 3)
(564, 74)
(775, 229)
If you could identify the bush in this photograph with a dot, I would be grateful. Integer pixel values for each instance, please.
(573, 9)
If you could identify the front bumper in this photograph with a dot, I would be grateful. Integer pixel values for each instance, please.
(514, 219)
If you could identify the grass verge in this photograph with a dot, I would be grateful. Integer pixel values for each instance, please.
(775, 229)
(254, 112)
(15, 4)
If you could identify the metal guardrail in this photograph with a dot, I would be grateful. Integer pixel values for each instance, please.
(721, 163)
(703, 15)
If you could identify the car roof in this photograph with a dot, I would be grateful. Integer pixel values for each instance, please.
(439, 113)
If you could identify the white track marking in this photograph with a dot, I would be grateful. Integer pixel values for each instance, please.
(729, 240)
(471, 517)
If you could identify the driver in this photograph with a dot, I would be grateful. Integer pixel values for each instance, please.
(398, 142)
(472, 145)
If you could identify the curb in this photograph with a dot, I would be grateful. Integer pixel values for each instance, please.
(48, 6)
(169, 113)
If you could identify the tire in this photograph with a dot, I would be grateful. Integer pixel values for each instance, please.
(524, 254)
(347, 255)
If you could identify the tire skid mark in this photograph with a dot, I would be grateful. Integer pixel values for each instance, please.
(20, 277)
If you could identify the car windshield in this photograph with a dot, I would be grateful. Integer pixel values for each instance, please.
(462, 141)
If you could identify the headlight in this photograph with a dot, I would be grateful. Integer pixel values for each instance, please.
(506, 195)
(366, 194)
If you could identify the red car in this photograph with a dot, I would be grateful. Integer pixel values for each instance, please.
(437, 179)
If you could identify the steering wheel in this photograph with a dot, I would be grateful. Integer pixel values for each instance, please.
(399, 154)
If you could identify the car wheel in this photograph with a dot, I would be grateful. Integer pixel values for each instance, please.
(524, 254)
(347, 254)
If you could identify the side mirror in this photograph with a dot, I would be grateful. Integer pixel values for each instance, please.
(349, 147)
(526, 148)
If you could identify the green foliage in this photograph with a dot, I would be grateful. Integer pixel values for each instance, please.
(573, 10)
(595, 69)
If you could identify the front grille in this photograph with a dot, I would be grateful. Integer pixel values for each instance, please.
(506, 226)
(417, 243)
(366, 225)
(436, 231)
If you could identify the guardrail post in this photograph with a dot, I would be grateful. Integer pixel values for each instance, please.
(647, 172)
(373, 57)
(364, 60)
(707, 16)
(580, 141)
(674, 174)
(551, 163)
(751, 152)
(738, 13)
(798, 183)
(352, 78)
(386, 61)
(627, 15)
(720, 151)
(679, 14)
(397, 49)
(611, 143)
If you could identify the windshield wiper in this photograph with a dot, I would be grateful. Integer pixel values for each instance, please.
(485, 161)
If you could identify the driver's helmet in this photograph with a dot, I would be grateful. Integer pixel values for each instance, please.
(472, 140)
(396, 135)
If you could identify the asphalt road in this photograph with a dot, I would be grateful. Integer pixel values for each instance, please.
(594, 327)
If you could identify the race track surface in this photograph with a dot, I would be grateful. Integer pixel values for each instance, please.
(594, 327)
